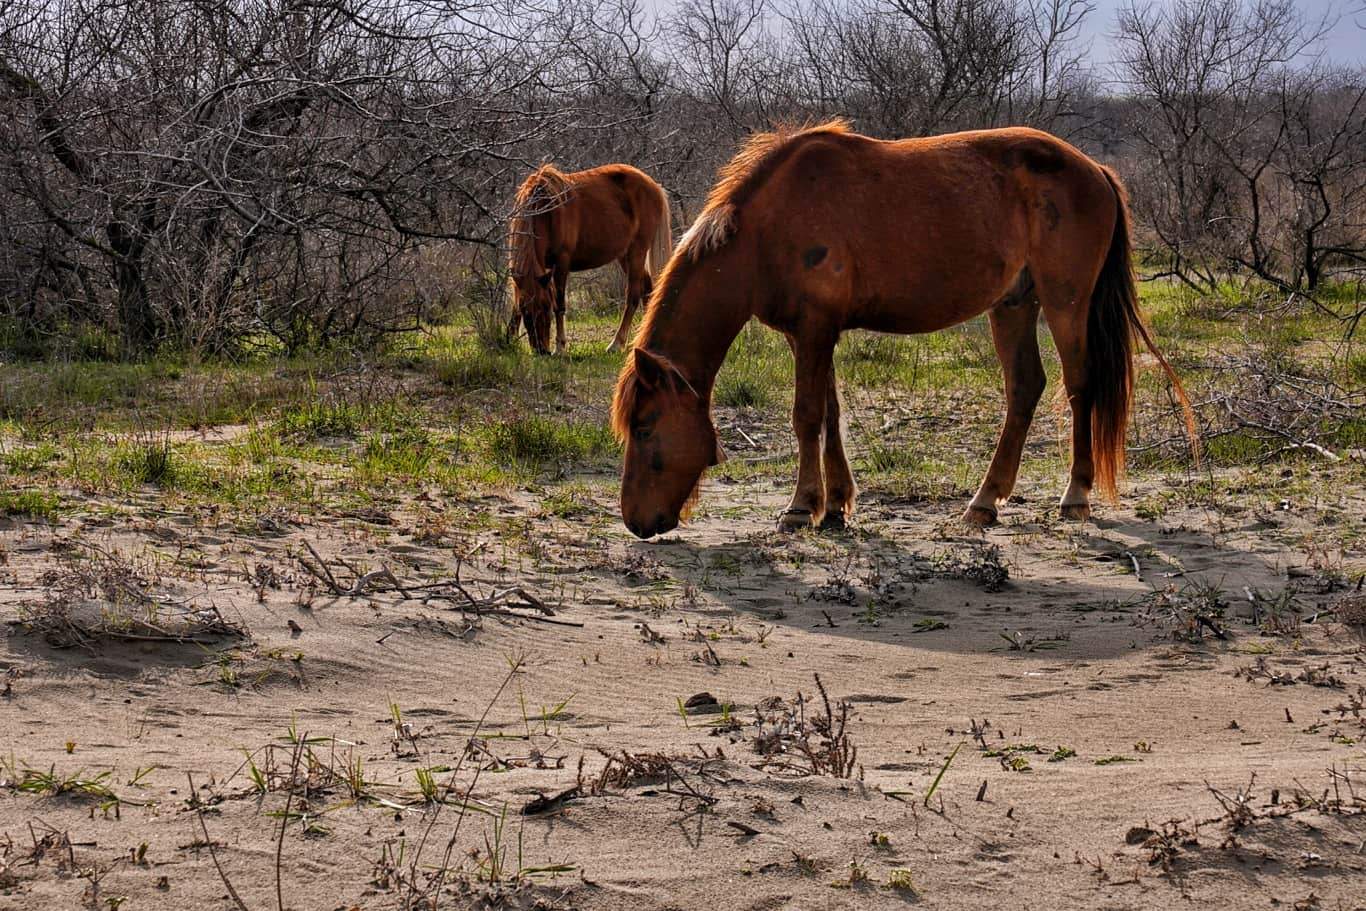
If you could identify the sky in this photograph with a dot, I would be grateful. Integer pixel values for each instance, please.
(1345, 43)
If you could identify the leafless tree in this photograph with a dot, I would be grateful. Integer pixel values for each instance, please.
(225, 173)
(202, 172)
(916, 67)
(1250, 148)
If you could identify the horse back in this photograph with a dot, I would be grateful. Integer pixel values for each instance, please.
(613, 206)
(915, 235)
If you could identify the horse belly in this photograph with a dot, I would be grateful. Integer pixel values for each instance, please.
(953, 279)
(909, 317)
(604, 230)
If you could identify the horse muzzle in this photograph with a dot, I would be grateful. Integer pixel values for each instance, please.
(645, 529)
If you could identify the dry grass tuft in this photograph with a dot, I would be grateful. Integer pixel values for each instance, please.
(792, 741)
(99, 596)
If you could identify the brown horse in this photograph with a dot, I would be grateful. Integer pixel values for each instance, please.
(821, 230)
(566, 223)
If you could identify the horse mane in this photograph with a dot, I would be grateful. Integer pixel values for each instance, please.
(544, 189)
(738, 179)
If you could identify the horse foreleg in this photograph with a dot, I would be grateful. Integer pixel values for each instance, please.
(1014, 330)
(561, 283)
(840, 489)
(814, 376)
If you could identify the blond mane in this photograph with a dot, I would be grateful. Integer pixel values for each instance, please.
(544, 189)
(738, 178)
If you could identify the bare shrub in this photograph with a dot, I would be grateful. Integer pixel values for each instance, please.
(791, 740)
(100, 596)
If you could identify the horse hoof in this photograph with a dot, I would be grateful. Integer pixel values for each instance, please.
(1076, 512)
(979, 517)
(794, 520)
(614, 346)
(834, 520)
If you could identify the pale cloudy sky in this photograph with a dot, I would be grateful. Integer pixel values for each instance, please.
(1345, 43)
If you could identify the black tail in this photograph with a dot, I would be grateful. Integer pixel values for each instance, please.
(1113, 322)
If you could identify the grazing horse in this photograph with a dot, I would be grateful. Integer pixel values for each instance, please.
(564, 223)
(821, 230)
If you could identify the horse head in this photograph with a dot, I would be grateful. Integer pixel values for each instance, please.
(670, 441)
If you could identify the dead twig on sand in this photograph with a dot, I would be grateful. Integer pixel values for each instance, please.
(213, 855)
(515, 601)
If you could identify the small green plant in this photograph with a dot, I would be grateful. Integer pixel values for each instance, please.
(899, 880)
(536, 441)
(321, 418)
(1115, 760)
(1061, 754)
(934, 785)
(255, 773)
(427, 785)
(742, 392)
(140, 773)
(149, 462)
(50, 784)
(494, 866)
(858, 876)
(29, 503)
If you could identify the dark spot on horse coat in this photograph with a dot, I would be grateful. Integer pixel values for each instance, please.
(619, 178)
(1041, 158)
(814, 257)
(657, 461)
(1051, 213)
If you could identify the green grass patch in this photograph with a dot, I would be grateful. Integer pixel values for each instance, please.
(30, 504)
(539, 441)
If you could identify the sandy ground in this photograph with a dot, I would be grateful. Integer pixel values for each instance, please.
(897, 616)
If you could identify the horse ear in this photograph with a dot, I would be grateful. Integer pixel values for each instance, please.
(650, 370)
(545, 279)
(719, 456)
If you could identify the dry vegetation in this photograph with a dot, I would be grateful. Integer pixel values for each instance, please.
(317, 633)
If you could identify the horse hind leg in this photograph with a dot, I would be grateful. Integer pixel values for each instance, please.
(637, 287)
(1067, 312)
(1014, 331)
(840, 489)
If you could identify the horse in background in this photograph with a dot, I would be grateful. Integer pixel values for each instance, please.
(563, 223)
(821, 230)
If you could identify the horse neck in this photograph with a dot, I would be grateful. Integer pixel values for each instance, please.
(699, 312)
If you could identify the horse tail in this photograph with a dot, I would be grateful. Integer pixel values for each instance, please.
(1112, 324)
(662, 243)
